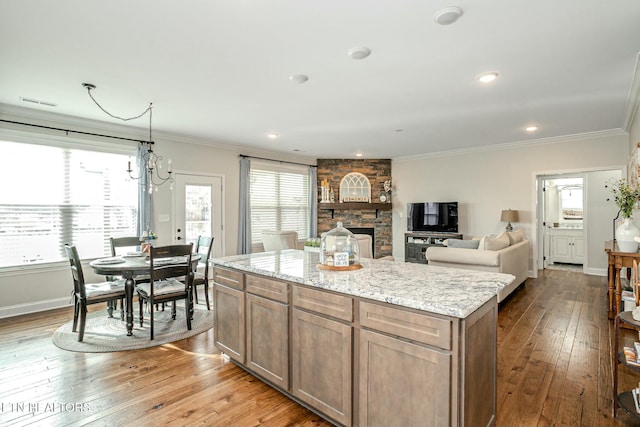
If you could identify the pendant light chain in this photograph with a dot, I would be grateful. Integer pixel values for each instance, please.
(124, 119)
(150, 160)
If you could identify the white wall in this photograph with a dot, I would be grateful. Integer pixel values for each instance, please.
(484, 182)
(38, 288)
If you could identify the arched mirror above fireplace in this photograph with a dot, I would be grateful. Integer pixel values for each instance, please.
(355, 187)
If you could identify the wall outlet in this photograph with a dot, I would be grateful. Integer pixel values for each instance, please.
(163, 218)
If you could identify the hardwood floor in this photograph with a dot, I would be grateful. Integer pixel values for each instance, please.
(554, 368)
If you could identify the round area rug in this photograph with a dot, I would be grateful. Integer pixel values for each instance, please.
(105, 334)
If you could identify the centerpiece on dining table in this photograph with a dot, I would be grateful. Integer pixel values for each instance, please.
(147, 239)
(339, 250)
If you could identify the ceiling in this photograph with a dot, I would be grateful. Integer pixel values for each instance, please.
(220, 70)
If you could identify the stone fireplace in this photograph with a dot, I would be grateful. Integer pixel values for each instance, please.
(368, 218)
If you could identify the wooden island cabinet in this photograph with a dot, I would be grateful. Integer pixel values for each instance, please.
(322, 348)
(229, 319)
(267, 329)
(361, 351)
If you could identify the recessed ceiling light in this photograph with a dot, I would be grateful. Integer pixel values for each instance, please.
(272, 135)
(359, 52)
(531, 128)
(299, 78)
(488, 77)
(448, 15)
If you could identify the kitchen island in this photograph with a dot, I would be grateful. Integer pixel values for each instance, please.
(392, 343)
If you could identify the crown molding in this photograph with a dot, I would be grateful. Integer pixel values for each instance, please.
(53, 119)
(517, 144)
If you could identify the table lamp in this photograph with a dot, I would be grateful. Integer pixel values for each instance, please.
(508, 216)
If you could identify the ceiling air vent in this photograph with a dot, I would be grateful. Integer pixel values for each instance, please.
(37, 101)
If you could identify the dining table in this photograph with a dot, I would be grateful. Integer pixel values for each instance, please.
(130, 266)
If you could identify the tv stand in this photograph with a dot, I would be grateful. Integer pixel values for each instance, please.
(417, 242)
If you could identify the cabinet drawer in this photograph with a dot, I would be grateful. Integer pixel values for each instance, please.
(268, 288)
(228, 277)
(414, 326)
(329, 304)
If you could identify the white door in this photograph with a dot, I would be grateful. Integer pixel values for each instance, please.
(198, 209)
(546, 247)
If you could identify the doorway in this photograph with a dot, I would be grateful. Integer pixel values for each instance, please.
(564, 239)
(198, 209)
(563, 222)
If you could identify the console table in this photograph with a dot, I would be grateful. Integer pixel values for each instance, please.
(417, 242)
(617, 261)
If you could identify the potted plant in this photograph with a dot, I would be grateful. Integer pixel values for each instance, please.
(626, 197)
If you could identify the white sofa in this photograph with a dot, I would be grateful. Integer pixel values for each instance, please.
(512, 259)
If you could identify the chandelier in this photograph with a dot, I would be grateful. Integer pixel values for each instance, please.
(150, 162)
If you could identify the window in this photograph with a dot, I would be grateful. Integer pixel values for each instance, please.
(279, 199)
(197, 211)
(54, 195)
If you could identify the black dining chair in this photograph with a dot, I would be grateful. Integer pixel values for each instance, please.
(85, 294)
(166, 265)
(204, 247)
(132, 243)
(120, 246)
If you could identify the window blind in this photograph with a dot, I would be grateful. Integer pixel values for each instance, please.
(279, 198)
(55, 195)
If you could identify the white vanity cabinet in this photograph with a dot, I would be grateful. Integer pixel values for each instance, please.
(567, 246)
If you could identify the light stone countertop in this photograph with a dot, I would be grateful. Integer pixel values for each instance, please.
(449, 291)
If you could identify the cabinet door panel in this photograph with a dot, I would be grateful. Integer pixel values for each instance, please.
(402, 384)
(578, 249)
(322, 358)
(268, 339)
(560, 248)
(268, 288)
(327, 303)
(229, 321)
(424, 328)
(228, 277)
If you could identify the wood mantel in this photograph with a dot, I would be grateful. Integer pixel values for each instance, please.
(355, 206)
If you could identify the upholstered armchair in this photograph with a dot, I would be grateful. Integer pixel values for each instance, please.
(276, 240)
(365, 243)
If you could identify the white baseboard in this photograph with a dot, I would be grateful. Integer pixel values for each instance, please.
(20, 309)
(596, 271)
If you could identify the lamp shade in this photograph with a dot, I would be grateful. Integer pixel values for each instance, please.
(509, 216)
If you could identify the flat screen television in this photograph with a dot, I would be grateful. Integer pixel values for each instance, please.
(433, 216)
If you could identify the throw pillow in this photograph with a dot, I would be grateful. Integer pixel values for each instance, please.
(494, 243)
(467, 244)
(515, 237)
